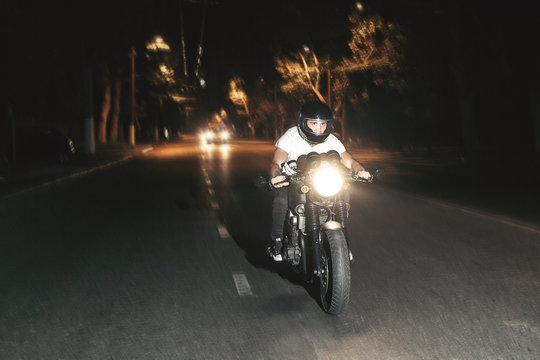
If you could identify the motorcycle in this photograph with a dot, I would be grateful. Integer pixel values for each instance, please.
(315, 242)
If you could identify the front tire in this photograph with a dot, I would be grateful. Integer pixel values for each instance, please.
(335, 279)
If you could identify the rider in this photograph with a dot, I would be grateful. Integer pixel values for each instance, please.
(313, 133)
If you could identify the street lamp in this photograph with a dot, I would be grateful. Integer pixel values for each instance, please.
(157, 44)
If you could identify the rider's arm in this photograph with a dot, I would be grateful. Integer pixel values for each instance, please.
(280, 156)
(348, 161)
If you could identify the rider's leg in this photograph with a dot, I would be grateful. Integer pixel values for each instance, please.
(279, 212)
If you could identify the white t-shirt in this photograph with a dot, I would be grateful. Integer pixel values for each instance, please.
(294, 145)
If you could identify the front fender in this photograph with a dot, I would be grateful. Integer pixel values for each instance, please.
(331, 225)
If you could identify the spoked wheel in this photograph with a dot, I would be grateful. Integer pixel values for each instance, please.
(335, 280)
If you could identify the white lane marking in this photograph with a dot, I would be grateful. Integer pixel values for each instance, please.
(206, 177)
(145, 150)
(522, 327)
(223, 233)
(242, 284)
(485, 215)
(479, 213)
(69, 177)
(222, 230)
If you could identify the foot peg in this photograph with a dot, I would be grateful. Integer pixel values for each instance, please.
(276, 256)
(275, 250)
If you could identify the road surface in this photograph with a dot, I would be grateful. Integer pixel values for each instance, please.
(162, 257)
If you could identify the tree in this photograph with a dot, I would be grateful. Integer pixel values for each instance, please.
(374, 74)
(376, 47)
(238, 97)
(115, 117)
(301, 73)
(105, 108)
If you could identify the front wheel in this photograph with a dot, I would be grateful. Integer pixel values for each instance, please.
(335, 279)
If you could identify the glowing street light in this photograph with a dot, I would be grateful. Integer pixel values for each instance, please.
(157, 44)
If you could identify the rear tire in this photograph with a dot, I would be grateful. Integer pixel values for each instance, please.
(335, 280)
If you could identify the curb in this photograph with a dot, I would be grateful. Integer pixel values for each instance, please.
(83, 170)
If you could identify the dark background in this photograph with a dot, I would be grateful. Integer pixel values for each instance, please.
(470, 68)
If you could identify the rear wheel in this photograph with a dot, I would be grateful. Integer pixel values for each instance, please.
(335, 280)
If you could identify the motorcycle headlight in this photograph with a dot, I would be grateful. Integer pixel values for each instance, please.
(327, 181)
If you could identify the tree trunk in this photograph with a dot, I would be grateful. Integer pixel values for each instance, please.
(116, 109)
(341, 119)
(251, 122)
(105, 108)
(276, 115)
(343, 122)
(252, 129)
(88, 101)
(535, 113)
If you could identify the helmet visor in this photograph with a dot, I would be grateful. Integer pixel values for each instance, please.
(317, 126)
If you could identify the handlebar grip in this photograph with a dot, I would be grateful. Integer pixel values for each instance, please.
(361, 179)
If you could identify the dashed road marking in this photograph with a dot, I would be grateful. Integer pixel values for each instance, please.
(242, 284)
(223, 233)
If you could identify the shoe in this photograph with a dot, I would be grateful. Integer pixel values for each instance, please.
(274, 251)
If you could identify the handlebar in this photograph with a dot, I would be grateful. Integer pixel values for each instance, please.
(262, 182)
(379, 172)
(355, 177)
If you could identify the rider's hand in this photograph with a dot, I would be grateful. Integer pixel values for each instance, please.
(279, 181)
(363, 174)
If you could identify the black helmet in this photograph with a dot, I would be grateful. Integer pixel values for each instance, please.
(318, 111)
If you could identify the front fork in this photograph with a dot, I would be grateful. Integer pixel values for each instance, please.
(342, 214)
(312, 231)
(341, 210)
(313, 228)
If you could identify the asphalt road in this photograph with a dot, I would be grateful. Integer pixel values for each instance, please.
(162, 257)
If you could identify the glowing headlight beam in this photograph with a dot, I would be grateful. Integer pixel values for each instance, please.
(327, 181)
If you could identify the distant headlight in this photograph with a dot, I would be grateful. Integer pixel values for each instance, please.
(327, 181)
(224, 135)
(209, 135)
